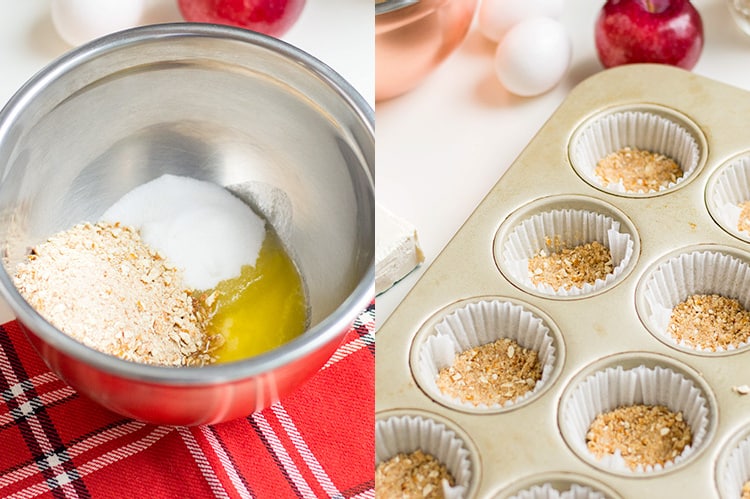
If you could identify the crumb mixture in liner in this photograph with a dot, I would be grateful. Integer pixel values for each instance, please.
(689, 274)
(728, 197)
(415, 475)
(637, 170)
(405, 434)
(635, 129)
(551, 231)
(643, 435)
(480, 323)
(735, 472)
(616, 387)
(547, 491)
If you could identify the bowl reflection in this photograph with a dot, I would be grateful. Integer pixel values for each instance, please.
(413, 38)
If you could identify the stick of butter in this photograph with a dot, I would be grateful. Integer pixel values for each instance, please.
(397, 250)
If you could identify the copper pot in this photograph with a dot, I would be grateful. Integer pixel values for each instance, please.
(412, 37)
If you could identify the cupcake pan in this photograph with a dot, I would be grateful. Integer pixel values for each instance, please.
(528, 449)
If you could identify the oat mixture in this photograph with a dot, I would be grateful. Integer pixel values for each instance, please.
(100, 284)
(571, 267)
(644, 434)
(494, 373)
(743, 224)
(710, 321)
(638, 170)
(745, 491)
(411, 476)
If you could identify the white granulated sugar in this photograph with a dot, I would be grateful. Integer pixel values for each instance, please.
(198, 226)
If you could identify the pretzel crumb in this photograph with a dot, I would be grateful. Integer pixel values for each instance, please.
(710, 322)
(566, 267)
(644, 435)
(411, 476)
(638, 170)
(103, 286)
(489, 374)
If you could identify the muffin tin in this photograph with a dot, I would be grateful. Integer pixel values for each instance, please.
(600, 341)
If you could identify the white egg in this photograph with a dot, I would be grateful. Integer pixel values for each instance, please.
(80, 21)
(533, 56)
(496, 17)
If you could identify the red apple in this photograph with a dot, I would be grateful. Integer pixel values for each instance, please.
(660, 31)
(272, 17)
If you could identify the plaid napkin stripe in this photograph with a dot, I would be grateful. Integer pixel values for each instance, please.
(318, 442)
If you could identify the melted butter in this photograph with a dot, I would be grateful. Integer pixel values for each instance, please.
(261, 309)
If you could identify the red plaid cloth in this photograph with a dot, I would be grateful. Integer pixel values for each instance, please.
(319, 442)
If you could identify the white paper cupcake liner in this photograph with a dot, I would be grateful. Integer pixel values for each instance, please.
(572, 228)
(547, 491)
(476, 324)
(736, 471)
(696, 272)
(615, 387)
(730, 187)
(406, 434)
(636, 129)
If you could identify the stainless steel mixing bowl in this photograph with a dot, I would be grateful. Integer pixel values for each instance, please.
(215, 103)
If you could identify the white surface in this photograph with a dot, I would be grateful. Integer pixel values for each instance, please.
(441, 147)
(338, 32)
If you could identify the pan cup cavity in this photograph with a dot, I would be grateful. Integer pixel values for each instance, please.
(406, 433)
(733, 466)
(653, 129)
(649, 380)
(728, 197)
(693, 300)
(498, 383)
(557, 485)
(531, 246)
(547, 491)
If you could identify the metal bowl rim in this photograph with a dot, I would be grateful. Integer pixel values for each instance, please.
(330, 329)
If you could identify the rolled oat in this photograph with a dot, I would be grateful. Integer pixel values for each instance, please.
(100, 284)
(411, 476)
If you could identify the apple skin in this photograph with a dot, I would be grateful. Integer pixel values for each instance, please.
(658, 31)
(271, 17)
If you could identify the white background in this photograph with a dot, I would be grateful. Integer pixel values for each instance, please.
(441, 147)
(338, 32)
